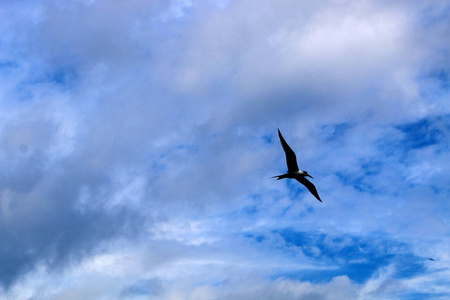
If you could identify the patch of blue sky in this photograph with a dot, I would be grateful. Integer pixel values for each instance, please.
(356, 257)
(423, 133)
(409, 265)
(415, 136)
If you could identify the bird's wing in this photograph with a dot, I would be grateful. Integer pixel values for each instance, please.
(309, 186)
(291, 159)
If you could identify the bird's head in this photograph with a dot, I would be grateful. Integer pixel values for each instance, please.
(306, 174)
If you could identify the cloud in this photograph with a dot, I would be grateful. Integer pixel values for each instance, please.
(137, 143)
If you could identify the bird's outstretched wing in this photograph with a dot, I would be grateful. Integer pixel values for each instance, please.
(291, 159)
(309, 186)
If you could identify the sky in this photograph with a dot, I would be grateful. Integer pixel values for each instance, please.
(138, 140)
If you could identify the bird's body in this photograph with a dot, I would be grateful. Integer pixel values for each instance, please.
(293, 174)
(293, 170)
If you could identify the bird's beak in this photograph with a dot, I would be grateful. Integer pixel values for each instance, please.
(310, 176)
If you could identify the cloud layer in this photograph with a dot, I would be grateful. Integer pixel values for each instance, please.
(137, 142)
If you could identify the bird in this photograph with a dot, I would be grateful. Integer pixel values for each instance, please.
(294, 171)
(431, 259)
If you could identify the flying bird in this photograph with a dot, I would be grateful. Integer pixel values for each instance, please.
(431, 259)
(294, 171)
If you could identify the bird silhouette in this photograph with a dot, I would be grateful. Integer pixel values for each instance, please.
(431, 259)
(294, 171)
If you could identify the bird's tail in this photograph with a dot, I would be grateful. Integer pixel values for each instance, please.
(278, 177)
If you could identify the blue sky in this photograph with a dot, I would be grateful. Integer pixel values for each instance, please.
(138, 138)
